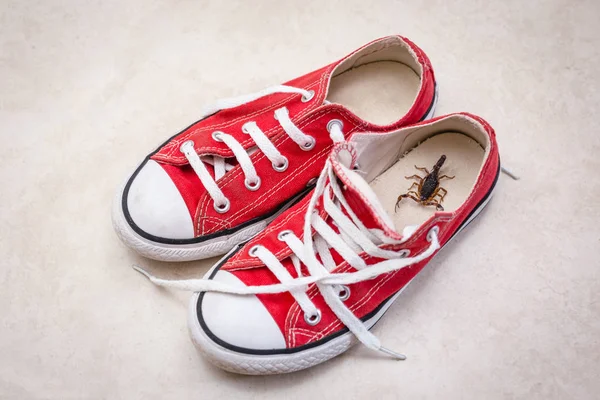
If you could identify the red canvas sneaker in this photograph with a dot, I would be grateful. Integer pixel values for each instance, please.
(327, 269)
(220, 181)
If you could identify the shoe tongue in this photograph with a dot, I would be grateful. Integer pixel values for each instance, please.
(361, 198)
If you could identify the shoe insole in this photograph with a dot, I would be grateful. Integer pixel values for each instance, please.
(379, 92)
(464, 157)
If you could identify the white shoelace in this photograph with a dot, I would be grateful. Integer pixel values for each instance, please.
(263, 143)
(352, 239)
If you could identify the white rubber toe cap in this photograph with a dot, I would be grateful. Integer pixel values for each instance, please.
(241, 321)
(156, 206)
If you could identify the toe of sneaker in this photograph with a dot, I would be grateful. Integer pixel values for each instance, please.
(237, 322)
(154, 204)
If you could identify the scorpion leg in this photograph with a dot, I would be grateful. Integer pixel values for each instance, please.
(446, 177)
(417, 177)
(438, 193)
(422, 169)
(413, 185)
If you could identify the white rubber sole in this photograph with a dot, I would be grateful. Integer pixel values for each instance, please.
(250, 364)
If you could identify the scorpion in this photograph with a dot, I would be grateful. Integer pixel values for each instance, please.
(429, 192)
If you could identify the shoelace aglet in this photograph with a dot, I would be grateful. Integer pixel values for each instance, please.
(509, 173)
(393, 354)
(142, 271)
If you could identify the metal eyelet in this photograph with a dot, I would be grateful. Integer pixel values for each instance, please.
(186, 143)
(309, 145)
(311, 94)
(313, 319)
(312, 181)
(222, 208)
(334, 122)
(356, 166)
(404, 253)
(281, 167)
(253, 250)
(344, 293)
(252, 185)
(216, 135)
(283, 234)
(433, 230)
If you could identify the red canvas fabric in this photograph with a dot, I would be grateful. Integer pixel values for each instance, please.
(277, 187)
(368, 295)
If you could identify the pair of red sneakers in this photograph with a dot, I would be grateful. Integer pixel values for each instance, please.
(328, 194)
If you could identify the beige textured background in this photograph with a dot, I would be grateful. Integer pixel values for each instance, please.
(511, 309)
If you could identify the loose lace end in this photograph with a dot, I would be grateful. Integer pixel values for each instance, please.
(509, 173)
(393, 354)
(143, 272)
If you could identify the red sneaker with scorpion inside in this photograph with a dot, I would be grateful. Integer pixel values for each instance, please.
(327, 269)
(220, 181)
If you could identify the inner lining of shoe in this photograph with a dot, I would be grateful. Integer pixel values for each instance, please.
(464, 159)
(379, 83)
